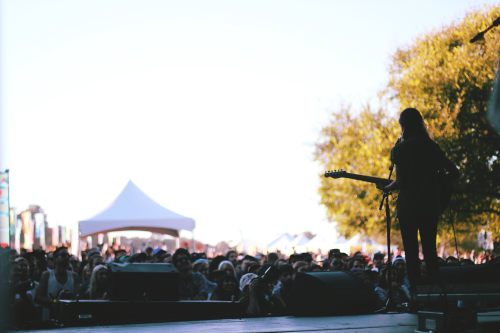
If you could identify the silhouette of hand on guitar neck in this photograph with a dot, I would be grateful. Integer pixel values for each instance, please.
(368, 179)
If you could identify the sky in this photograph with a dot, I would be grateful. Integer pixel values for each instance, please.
(212, 108)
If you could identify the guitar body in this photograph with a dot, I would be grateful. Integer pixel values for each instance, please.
(369, 179)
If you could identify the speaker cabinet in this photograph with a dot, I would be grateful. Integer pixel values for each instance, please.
(152, 282)
(330, 294)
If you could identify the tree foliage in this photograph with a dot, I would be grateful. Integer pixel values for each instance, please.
(450, 81)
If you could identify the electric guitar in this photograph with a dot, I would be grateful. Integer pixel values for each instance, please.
(369, 179)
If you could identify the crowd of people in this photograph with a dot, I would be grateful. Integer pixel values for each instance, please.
(34, 282)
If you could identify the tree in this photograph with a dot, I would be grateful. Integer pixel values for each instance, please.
(359, 143)
(450, 81)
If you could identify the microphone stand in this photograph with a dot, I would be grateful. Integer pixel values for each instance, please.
(390, 305)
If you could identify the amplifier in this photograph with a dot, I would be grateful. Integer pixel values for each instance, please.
(143, 281)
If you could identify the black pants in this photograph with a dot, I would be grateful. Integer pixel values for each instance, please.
(428, 232)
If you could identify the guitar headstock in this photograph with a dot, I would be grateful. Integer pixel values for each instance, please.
(335, 173)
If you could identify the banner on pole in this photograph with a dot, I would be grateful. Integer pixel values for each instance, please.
(4, 209)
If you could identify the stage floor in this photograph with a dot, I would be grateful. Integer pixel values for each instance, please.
(394, 323)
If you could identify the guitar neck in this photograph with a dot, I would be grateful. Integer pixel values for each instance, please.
(368, 179)
(363, 178)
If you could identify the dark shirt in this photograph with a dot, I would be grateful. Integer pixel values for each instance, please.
(85, 287)
(196, 285)
(285, 297)
(419, 193)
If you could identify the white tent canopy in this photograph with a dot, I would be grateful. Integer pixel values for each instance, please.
(134, 210)
(282, 243)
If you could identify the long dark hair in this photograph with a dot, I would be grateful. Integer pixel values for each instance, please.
(413, 123)
(220, 286)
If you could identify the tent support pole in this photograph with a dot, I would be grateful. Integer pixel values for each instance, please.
(194, 247)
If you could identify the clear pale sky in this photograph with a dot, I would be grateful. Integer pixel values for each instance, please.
(210, 107)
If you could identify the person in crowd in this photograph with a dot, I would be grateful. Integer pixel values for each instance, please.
(294, 258)
(281, 262)
(399, 263)
(95, 260)
(227, 289)
(214, 264)
(227, 267)
(378, 259)
(254, 300)
(357, 263)
(201, 266)
(25, 275)
(337, 263)
(59, 283)
(41, 260)
(245, 265)
(400, 293)
(286, 275)
(232, 256)
(423, 271)
(166, 258)
(451, 261)
(192, 285)
(21, 304)
(216, 276)
(157, 254)
(98, 283)
(417, 160)
(441, 262)
(466, 262)
(75, 263)
(315, 268)
(118, 254)
(30, 257)
(138, 258)
(325, 265)
(332, 252)
(149, 253)
(272, 258)
(87, 274)
(301, 267)
(50, 261)
(254, 268)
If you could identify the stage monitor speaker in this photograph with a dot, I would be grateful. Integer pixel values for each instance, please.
(330, 294)
(137, 281)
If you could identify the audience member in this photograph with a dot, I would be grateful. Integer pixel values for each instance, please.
(30, 257)
(315, 268)
(281, 262)
(451, 261)
(357, 263)
(214, 264)
(158, 253)
(94, 261)
(245, 265)
(227, 267)
(336, 263)
(466, 262)
(401, 293)
(286, 275)
(378, 259)
(75, 263)
(98, 283)
(57, 284)
(167, 258)
(138, 258)
(41, 260)
(25, 275)
(272, 258)
(399, 263)
(294, 258)
(254, 268)
(227, 289)
(20, 305)
(254, 300)
(201, 266)
(192, 285)
(301, 267)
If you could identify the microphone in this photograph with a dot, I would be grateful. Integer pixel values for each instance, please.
(481, 34)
